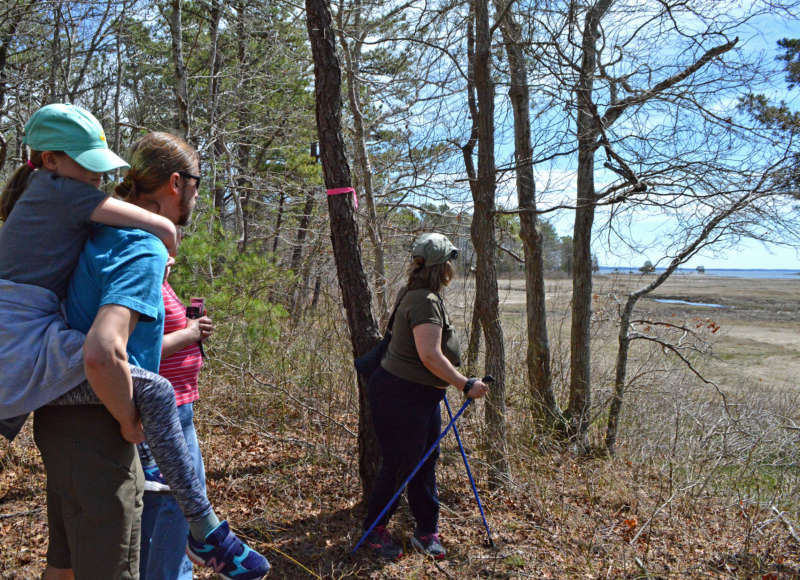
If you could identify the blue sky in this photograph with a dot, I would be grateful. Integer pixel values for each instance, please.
(751, 254)
(760, 36)
(746, 255)
(555, 183)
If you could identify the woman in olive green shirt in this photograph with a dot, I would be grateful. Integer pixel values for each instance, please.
(405, 393)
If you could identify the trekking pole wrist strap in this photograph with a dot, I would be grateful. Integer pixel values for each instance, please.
(468, 385)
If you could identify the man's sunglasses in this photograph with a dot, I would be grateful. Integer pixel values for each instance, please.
(186, 174)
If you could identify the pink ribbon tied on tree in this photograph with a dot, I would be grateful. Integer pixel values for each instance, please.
(341, 190)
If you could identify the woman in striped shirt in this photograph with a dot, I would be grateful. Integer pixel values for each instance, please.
(164, 528)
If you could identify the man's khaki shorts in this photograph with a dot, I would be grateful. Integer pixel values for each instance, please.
(94, 492)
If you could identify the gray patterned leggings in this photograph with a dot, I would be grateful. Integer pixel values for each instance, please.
(155, 400)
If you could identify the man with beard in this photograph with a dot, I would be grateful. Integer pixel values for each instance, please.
(94, 480)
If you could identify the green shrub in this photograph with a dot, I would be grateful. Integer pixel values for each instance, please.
(238, 287)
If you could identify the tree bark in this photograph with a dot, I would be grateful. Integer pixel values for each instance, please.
(487, 301)
(52, 85)
(297, 253)
(588, 132)
(302, 231)
(118, 82)
(217, 148)
(474, 342)
(278, 224)
(363, 169)
(540, 377)
(7, 37)
(344, 229)
(181, 91)
(467, 151)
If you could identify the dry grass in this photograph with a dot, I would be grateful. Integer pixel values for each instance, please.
(697, 490)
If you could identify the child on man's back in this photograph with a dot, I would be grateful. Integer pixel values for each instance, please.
(48, 207)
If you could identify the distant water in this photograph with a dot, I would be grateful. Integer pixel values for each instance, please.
(676, 301)
(732, 273)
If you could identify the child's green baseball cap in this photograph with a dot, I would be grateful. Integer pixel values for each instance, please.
(75, 131)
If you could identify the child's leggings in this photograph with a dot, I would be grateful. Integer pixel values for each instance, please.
(155, 400)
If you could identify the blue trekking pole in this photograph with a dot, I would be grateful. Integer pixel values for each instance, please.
(413, 473)
(469, 472)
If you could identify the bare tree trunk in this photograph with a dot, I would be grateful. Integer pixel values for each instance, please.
(240, 221)
(243, 151)
(217, 148)
(52, 85)
(364, 487)
(363, 169)
(297, 252)
(181, 91)
(67, 54)
(302, 231)
(344, 229)
(620, 373)
(588, 132)
(215, 15)
(467, 150)
(474, 343)
(218, 183)
(278, 223)
(487, 301)
(118, 82)
(7, 37)
(538, 356)
(625, 337)
(244, 200)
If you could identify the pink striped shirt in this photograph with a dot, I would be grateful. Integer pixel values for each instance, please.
(183, 367)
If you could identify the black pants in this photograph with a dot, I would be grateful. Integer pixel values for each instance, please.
(407, 422)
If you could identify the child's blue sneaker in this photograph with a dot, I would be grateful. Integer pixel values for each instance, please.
(154, 481)
(224, 553)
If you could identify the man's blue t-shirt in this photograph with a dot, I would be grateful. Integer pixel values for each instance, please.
(124, 267)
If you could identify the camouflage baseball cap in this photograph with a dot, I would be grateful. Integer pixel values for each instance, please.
(434, 249)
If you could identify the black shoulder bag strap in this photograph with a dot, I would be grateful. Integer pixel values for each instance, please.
(369, 362)
(444, 310)
(396, 306)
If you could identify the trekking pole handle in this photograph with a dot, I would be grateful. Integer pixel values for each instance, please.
(472, 380)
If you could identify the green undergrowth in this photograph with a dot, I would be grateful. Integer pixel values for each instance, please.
(242, 290)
